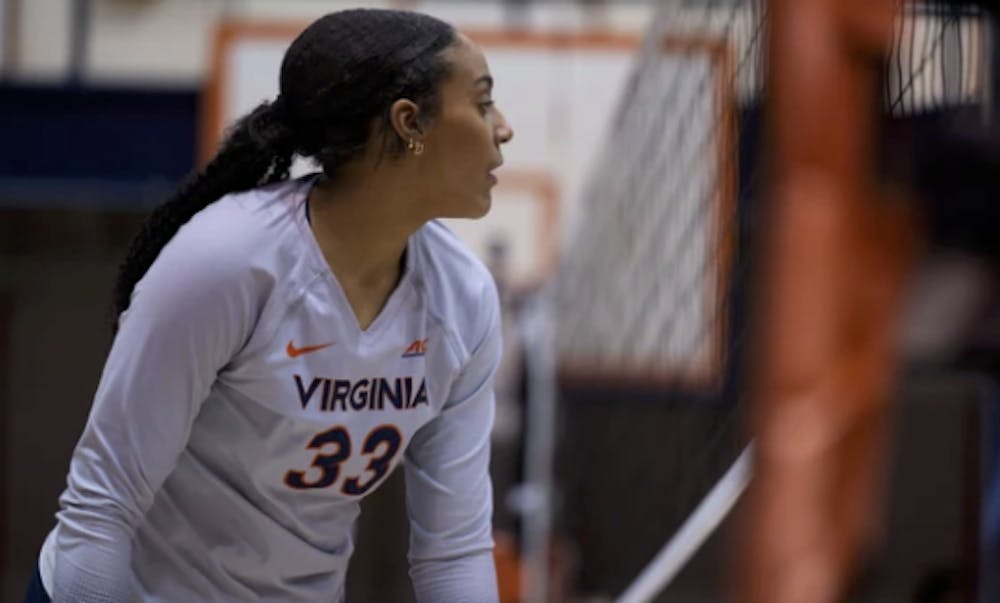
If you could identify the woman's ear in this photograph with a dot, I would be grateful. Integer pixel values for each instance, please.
(404, 115)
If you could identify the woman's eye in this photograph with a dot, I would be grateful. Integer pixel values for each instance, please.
(485, 105)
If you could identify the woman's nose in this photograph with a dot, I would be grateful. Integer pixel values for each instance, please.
(503, 130)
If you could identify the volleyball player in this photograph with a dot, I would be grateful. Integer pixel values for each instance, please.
(283, 344)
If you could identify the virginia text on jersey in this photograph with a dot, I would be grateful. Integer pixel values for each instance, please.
(363, 394)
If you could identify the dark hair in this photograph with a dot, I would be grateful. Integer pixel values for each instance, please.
(338, 80)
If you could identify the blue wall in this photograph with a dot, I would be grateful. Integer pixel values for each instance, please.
(73, 146)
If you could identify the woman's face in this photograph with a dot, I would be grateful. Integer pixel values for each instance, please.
(462, 142)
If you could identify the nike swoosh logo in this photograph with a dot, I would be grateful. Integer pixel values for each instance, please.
(294, 352)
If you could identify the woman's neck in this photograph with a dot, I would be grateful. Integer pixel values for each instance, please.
(362, 226)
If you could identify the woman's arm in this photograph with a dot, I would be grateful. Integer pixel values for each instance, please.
(448, 491)
(189, 315)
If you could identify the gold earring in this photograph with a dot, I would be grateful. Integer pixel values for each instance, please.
(415, 146)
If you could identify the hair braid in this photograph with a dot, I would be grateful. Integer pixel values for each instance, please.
(258, 150)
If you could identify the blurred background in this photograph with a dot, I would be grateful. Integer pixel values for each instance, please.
(622, 238)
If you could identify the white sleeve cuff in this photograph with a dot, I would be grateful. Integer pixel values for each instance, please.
(468, 579)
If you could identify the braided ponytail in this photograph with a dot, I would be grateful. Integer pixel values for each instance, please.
(258, 150)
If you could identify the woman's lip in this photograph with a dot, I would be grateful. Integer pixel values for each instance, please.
(493, 179)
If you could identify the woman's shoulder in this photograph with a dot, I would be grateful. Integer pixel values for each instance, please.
(460, 289)
(450, 262)
(242, 226)
(244, 218)
(243, 238)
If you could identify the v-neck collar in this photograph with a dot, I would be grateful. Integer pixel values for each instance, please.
(396, 298)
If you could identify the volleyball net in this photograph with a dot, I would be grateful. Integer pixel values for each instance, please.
(651, 339)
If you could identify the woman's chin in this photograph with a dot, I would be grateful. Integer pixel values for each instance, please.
(475, 208)
(485, 202)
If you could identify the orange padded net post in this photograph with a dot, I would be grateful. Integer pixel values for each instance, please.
(833, 271)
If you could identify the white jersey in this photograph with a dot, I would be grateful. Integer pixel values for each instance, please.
(242, 415)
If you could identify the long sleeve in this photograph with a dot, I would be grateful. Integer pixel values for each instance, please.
(448, 490)
(189, 315)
